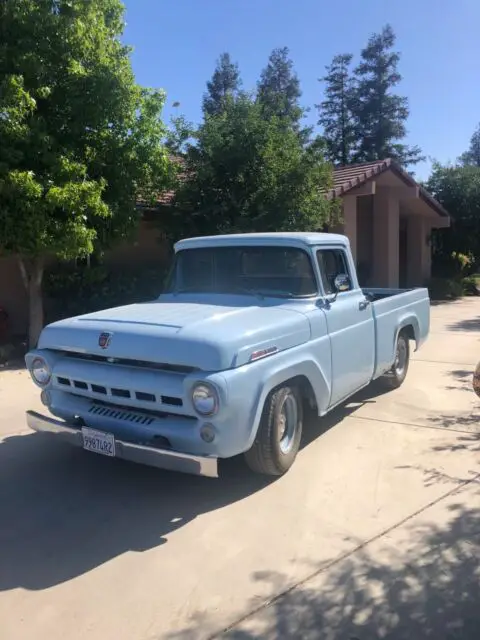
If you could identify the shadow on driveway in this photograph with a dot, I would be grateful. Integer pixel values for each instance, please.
(467, 324)
(65, 511)
(429, 588)
(426, 584)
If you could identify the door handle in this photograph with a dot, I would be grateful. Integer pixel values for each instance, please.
(363, 305)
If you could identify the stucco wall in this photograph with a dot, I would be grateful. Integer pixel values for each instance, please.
(148, 248)
(365, 239)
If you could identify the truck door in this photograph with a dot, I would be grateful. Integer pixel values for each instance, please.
(350, 325)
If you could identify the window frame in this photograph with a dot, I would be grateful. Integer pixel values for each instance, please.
(170, 287)
(346, 259)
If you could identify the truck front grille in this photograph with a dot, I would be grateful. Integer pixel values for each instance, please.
(120, 414)
(116, 392)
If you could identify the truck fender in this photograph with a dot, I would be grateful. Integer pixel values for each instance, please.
(277, 375)
(408, 321)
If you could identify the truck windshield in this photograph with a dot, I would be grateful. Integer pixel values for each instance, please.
(261, 271)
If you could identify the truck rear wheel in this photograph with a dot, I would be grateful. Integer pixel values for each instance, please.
(278, 438)
(397, 374)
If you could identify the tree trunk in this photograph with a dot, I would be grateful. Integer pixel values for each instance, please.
(32, 276)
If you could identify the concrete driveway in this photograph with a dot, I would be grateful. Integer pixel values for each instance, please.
(374, 533)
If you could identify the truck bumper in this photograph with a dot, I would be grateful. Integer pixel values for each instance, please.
(153, 457)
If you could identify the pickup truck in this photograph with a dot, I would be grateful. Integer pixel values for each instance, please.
(251, 330)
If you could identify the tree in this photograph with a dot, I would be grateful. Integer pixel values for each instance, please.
(472, 155)
(380, 115)
(179, 133)
(457, 188)
(335, 112)
(80, 140)
(248, 173)
(225, 83)
(279, 88)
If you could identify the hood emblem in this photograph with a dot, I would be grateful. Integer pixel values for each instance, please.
(104, 340)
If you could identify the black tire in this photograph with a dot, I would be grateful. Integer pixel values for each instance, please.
(277, 442)
(397, 374)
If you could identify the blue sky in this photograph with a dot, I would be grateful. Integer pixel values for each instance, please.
(176, 44)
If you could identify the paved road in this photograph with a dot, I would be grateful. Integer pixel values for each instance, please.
(373, 533)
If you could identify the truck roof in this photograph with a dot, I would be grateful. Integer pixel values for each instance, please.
(289, 238)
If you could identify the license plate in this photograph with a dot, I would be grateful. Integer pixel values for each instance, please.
(98, 441)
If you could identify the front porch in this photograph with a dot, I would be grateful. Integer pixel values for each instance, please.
(388, 218)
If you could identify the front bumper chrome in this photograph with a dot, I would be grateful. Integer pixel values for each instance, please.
(161, 458)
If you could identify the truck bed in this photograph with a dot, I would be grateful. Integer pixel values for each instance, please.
(374, 294)
(393, 310)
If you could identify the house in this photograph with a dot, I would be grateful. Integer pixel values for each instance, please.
(387, 216)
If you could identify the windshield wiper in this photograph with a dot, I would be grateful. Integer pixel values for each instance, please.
(175, 292)
(273, 293)
(249, 292)
(261, 294)
(264, 293)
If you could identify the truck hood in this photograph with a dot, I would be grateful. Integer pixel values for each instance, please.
(209, 337)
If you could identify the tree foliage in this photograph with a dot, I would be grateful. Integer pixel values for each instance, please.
(80, 139)
(472, 155)
(279, 88)
(247, 173)
(335, 112)
(457, 188)
(225, 83)
(179, 135)
(380, 115)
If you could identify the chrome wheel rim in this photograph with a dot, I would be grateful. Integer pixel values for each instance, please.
(288, 420)
(400, 357)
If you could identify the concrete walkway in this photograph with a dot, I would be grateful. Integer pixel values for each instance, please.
(374, 533)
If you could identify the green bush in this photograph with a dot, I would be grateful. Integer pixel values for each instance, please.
(471, 286)
(6, 351)
(72, 291)
(445, 288)
(454, 265)
(464, 261)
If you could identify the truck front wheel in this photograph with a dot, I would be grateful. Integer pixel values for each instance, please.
(397, 374)
(278, 438)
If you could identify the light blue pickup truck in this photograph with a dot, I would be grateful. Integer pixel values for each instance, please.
(249, 331)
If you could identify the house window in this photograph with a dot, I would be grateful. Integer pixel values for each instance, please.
(332, 262)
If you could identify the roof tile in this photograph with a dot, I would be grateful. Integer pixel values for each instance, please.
(347, 177)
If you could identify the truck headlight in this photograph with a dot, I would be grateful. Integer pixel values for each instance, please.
(205, 399)
(40, 371)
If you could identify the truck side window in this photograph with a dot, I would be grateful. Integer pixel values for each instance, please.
(332, 262)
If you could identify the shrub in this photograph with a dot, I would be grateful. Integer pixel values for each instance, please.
(464, 261)
(445, 288)
(6, 352)
(72, 291)
(453, 265)
(471, 286)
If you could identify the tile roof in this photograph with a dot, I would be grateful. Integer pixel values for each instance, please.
(350, 176)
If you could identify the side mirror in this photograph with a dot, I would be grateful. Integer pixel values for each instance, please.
(341, 283)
